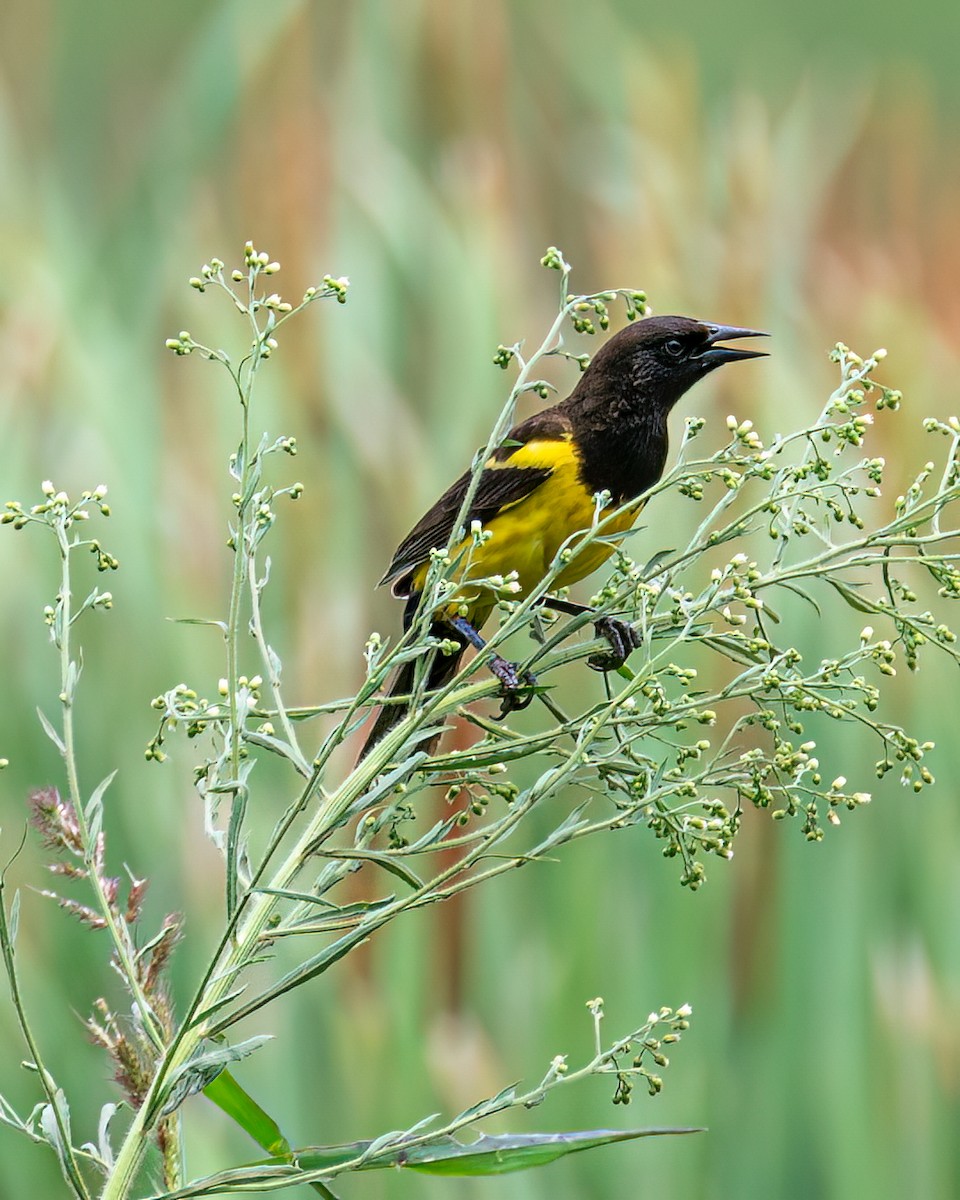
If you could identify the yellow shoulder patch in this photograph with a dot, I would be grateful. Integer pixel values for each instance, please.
(552, 453)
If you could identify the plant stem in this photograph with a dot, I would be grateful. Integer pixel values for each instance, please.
(69, 675)
(273, 680)
(238, 802)
(68, 1162)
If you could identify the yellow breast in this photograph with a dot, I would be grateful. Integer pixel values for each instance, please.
(527, 535)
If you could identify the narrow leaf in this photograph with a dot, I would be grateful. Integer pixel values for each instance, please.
(335, 911)
(14, 919)
(386, 783)
(382, 859)
(274, 660)
(799, 591)
(653, 564)
(485, 753)
(488, 1155)
(492, 1104)
(50, 1129)
(561, 834)
(734, 650)
(433, 836)
(306, 971)
(227, 1182)
(51, 733)
(281, 748)
(203, 1069)
(94, 807)
(205, 1013)
(107, 1114)
(230, 1097)
(199, 621)
(848, 592)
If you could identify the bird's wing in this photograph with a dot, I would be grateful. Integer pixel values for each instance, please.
(503, 482)
(498, 487)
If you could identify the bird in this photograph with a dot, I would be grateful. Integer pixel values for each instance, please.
(538, 489)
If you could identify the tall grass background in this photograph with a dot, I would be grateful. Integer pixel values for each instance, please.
(795, 172)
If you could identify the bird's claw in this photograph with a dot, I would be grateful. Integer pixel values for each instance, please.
(623, 639)
(516, 689)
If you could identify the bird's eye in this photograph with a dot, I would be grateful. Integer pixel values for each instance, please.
(674, 347)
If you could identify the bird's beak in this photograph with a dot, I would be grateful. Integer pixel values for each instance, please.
(716, 355)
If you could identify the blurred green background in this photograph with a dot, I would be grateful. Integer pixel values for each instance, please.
(790, 167)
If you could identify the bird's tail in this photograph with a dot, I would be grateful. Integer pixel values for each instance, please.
(442, 670)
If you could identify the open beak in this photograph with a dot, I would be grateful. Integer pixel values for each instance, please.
(716, 355)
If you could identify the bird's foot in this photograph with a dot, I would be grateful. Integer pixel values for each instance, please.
(516, 689)
(623, 639)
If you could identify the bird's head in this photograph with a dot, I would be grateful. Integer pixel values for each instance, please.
(661, 357)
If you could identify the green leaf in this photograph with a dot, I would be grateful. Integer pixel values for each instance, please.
(485, 753)
(252, 1179)
(197, 1074)
(848, 592)
(221, 625)
(382, 859)
(290, 894)
(14, 917)
(51, 733)
(386, 783)
(50, 1130)
(653, 564)
(307, 970)
(616, 539)
(489, 1105)
(230, 1097)
(103, 1148)
(335, 914)
(736, 650)
(279, 747)
(205, 1013)
(799, 591)
(488, 1155)
(94, 808)
(563, 832)
(434, 835)
(443, 1156)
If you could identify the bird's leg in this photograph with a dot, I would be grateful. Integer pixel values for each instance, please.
(511, 681)
(623, 637)
(570, 607)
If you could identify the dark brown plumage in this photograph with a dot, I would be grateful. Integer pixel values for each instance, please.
(537, 489)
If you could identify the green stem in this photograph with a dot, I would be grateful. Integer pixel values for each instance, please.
(273, 679)
(68, 1162)
(240, 943)
(232, 639)
(123, 948)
